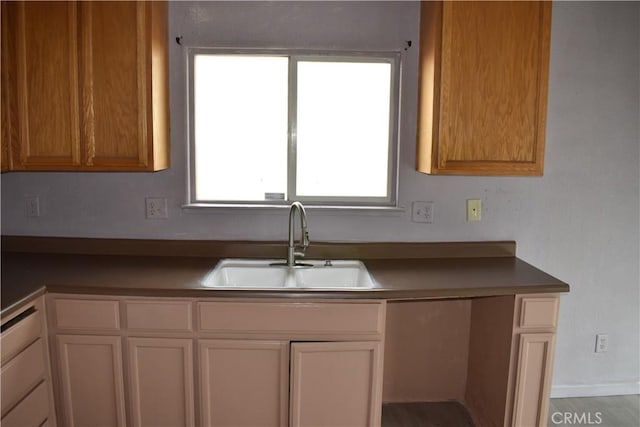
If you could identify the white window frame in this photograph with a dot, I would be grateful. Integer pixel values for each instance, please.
(392, 58)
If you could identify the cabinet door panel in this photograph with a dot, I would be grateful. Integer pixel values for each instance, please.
(92, 380)
(114, 82)
(336, 383)
(539, 312)
(484, 78)
(84, 86)
(153, 315)
(244, 383)
(161, 371)
(85, 314)
(302, 319)
(44, 36)
(533, 381)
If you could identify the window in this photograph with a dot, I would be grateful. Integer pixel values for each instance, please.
(269, 128)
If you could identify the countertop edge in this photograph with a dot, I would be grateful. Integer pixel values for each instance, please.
(17, 305)
(364, 294)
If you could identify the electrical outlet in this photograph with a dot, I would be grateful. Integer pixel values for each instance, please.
(474, 210)
(422, 212)
(602, 343)
(32, 206)
(156, 208)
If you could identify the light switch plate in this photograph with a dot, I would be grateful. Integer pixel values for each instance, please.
(32, 206)
(602, 343)
(474, 210)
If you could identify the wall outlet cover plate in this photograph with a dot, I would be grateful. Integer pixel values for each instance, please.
(156, 208)
(422, 212)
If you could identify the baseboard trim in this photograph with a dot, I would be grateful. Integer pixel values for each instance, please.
(592, 390)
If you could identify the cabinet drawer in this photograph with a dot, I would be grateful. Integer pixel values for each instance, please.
(159, 315)
(319, 318)
(32, 411)
(19, 335)
(539, 312)
(87, 314)
(21, 373)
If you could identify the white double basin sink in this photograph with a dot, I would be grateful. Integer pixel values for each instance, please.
(267, 274)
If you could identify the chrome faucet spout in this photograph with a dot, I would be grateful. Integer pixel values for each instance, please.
(304, 239)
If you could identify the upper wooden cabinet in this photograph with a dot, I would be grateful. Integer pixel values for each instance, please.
(89, 81)
(483, 87)
(44, 69)
(5, 98)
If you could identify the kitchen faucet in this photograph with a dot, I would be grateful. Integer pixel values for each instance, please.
(304, 239)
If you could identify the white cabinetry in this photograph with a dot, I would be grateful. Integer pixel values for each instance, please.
(336, 383)
(161, 377)
(131, 361)
(91, 380)
(25, 377)
(244, 382)
(534, 344)
(262, 369)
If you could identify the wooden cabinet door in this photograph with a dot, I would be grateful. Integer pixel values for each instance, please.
(42, 52)
(5, 93)
(336, 384)
(161, 388)
(91, 380)
(85, 86)
(484, 76)
(533, 379)
(123, 94)
(244, 382)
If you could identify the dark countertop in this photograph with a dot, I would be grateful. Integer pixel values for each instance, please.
(397, 279)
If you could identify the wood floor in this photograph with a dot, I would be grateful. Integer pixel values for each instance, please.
(610, 411)
(426, 414)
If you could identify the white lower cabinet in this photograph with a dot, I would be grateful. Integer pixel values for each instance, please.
(91, 380)
(212, 362)
(336, 383)
(534, 332)
(270, 372)
(244, 382)
(254, 382)
(33, 410)
(26, 395)
(533, 380)
(161, 381)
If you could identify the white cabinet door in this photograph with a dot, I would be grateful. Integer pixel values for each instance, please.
(92, 380)
(161, 387)
(336, 384)
(533, 381)
(244, 382)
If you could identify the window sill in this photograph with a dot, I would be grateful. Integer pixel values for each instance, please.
(221, 208)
